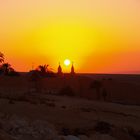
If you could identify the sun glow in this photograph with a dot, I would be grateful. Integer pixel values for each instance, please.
(71, 39)
(93, 34)
(67, 62)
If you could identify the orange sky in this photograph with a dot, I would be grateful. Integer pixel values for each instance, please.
(98, 36)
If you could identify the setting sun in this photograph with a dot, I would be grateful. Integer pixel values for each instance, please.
(62, 57)
(67, 62)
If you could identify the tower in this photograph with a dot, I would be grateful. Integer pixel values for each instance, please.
(72, 69)
(59, 72)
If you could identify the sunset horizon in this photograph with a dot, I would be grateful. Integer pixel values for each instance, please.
(69, 69)
(99, 37)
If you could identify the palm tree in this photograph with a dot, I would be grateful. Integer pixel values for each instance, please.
(45, 71)
(1, 57)
(6, 67)
(43, 68)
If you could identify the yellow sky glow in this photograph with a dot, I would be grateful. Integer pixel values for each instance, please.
(98, 36)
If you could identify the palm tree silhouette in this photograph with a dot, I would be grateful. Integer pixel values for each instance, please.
(43, 68)
(1, 57)
(6, 67)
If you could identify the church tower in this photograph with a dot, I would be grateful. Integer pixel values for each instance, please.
(72, 69)
(59, 72)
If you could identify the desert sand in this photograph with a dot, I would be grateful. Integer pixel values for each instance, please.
(27, 114)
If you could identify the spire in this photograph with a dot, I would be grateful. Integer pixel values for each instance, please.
(59, 69)
(72, 69)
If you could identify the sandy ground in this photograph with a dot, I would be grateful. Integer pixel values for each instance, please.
(26, 114)
(74, 114)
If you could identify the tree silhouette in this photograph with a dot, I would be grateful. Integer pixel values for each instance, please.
(1, 57)
(44, 71)
(43, 68)
(6, 67)
(97, 85)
